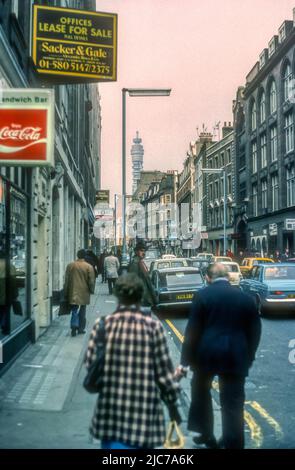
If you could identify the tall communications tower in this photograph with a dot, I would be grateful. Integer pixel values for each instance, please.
(137, 152)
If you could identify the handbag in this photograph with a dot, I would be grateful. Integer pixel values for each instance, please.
(17, 307)
(94, 377)
(178, 442)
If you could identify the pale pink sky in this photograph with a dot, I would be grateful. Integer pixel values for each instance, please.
(202, 49)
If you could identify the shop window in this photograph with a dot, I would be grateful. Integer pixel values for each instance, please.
(13, 258)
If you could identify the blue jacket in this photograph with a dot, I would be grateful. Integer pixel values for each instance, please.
(223, 331)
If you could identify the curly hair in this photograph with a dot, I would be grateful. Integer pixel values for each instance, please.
(129, 289)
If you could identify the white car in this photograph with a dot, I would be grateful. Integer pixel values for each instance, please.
(234, 273)
(168, 256)
(221, 259)
(207, 256)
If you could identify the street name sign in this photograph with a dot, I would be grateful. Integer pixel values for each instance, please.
(75, 43)
(27, 127)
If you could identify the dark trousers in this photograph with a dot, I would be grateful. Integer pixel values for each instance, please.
(5, 319)
(78, 318)
(111, 283)
(232, 397)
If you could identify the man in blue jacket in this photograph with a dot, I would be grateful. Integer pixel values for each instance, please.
(221, 338)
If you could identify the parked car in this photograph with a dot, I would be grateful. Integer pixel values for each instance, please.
(234, 272)
(248, 263)
(272, 286)
(176, 287)
(168, 263)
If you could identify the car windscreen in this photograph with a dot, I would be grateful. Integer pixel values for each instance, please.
(177, 264)
(233, 268)
(163, 265)
(151, 255)
(280, 273)
(182, 279)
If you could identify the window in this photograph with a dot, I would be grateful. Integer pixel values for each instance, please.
(13, 256)
(263, 151)
(275, 192)
(229, 184)
(273, 144)
(273, 97)
(216, 189)
(216, 161)
(262, 107)
(253, 117)
(289, 132)
(210, 192)
(222, 159)
(291, 186)
(254, 157)
(255, 200)
(287, 82)
(228, 155)
(264, 194)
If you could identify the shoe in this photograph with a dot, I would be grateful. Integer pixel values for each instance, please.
(74, 332)
(210, 442)
(81, 332)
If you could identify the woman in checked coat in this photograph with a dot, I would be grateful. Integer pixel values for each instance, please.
(138, 375)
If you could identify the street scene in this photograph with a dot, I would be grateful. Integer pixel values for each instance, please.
(147, 246)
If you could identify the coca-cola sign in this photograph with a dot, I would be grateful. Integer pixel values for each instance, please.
(26, 127)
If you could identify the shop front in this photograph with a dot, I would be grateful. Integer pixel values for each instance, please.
(15, 321)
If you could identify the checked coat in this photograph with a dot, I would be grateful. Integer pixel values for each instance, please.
(138, 374)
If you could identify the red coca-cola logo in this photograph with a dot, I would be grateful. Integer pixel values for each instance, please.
(23, 134)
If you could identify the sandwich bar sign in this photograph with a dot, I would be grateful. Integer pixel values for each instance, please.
(26, 127)
(75, 43)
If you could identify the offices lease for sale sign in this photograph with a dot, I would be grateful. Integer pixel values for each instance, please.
(75, 43)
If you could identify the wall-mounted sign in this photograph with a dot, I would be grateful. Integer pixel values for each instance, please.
(273, 229)
(27, 127)
(75, 43)
(102, 196)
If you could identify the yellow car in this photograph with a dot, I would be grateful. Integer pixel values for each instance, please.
(249, 263)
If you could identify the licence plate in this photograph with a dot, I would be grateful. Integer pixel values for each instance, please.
(291, 296)
(184, 296)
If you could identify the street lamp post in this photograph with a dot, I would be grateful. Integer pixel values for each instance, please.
(134, 92)
(223, 171)
(115, 196)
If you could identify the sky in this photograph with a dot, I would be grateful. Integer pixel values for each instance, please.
(202, 49)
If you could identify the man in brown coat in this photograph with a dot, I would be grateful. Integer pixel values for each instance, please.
(79, 284)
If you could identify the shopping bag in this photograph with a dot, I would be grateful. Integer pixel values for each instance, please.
(177, 442)
(94, 377)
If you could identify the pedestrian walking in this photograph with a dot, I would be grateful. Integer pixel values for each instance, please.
(101, 266)
(79, 284)
(111, 267)
(92, 259)
(138, 374)
(221, 338)
(138, 267)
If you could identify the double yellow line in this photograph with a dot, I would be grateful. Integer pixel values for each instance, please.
(255, 429)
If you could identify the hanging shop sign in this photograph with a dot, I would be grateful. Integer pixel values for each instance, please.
(102, 196)
(27, 127)
(75, 43)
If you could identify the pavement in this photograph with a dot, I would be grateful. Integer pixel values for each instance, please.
(43, 404)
